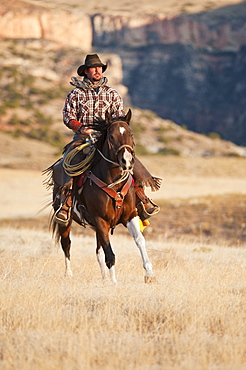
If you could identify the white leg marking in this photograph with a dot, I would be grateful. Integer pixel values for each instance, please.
(112, 274)
(101, 261)
(68, 271)
(134, 230)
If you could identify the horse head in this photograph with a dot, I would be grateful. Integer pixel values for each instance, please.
(120, 140)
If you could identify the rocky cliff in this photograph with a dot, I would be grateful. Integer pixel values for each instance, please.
(216, 30)
(198, 31)
(189, 67)
(20, 20)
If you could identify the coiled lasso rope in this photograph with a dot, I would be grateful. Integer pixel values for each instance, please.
(79, 168)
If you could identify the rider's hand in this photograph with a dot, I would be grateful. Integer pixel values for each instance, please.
(86, 130)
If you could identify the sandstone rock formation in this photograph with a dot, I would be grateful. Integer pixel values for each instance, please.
(196, 31)
(75, 28)
(34, 22)
(189, 68)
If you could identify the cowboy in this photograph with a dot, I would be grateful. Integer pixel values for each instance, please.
(91, 98)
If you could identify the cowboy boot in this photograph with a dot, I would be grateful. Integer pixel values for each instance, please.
(63, 211)
(145, 206)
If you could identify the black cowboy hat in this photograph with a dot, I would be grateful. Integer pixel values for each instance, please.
(91, 61)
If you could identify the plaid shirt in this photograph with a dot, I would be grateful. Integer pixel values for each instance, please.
(85, 103)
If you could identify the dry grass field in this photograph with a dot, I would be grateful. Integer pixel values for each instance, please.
(192, 317)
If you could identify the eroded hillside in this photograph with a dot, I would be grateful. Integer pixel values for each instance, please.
(188, 56)
(35, 79)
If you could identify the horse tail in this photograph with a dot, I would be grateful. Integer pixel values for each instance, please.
(53, 227)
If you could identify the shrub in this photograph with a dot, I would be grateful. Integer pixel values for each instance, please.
(141, 150)
(14, 121)
(164, 139)
(169, 151)
(137, 129)
(214, 135)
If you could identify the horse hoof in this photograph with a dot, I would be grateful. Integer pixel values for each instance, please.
(68, 273)
(149, 279)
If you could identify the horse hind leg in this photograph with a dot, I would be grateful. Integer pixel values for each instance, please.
(134, 230)
(112, 274)
(107, 258)
(64, 232)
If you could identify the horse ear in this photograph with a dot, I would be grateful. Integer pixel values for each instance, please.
(128, 116)
(107, 117)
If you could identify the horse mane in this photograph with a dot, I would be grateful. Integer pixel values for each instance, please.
(101, 126)
(120, 118)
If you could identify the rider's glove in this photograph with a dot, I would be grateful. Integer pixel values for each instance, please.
(74, 125)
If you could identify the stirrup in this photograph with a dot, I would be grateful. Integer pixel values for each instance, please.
(59, 220)
(147, 212)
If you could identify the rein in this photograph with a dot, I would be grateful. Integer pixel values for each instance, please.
(116, 151)
(124, 174)
(106, 159)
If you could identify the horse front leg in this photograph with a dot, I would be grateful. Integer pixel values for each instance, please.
(64, 232)
(102, 233)
(134, 230)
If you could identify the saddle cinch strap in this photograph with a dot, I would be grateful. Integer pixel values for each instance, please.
(117, 196)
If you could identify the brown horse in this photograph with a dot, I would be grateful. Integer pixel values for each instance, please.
(105, 196)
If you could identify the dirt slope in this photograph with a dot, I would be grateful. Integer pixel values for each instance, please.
(169, 7)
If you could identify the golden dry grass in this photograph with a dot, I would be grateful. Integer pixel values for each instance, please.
(193, 317)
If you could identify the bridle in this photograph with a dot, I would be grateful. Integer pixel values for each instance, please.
(122, 147)
(116, 150)
(124, 173)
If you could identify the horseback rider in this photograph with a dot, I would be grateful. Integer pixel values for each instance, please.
(91, 98)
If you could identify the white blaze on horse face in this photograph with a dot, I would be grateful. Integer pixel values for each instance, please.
(127, 156)
(122, 130)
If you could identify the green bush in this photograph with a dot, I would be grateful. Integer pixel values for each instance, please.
(169, 151)
(141, 150)
(14, 121)
(164, 139)
(214, 135)
(137, 129)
